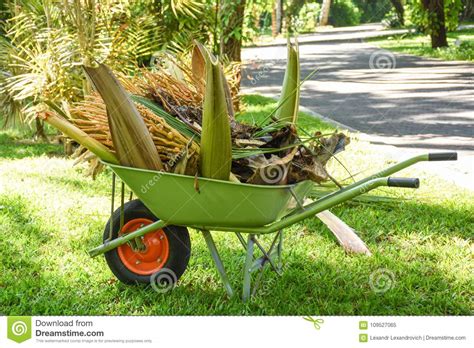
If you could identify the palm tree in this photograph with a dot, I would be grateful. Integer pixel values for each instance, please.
(46, 42)
(277, 15)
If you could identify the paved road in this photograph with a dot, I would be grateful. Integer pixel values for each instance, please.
(416, 103)
(401, 100)
(345, 33)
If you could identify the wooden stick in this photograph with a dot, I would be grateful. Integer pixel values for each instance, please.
(345, 235)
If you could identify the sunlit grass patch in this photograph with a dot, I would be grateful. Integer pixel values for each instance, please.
(461, 45)
(51, 214)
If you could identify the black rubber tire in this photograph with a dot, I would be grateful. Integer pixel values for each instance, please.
(179, 247)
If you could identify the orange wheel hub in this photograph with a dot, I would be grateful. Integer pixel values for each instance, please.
(156, 252)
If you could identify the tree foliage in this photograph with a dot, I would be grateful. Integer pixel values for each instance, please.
(435, 17)
(373, 10)
(45, 43)
(232, 19)
(344, 13)
(425, 20)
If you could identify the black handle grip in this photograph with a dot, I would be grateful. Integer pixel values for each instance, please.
(443, 156)
(403, 182)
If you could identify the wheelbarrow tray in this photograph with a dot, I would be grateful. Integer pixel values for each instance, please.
(212, 205)
(186, 200)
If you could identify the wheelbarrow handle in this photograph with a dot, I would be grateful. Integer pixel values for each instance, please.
(443, 156)
(403, 182)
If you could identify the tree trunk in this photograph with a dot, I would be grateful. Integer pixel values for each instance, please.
(231, 44)
(324, 17)
(232, 41)
(398, 6)
(274, 22)
(276, 17)
(279, 15)
(437, 23)
(39, 133)
(468, 12)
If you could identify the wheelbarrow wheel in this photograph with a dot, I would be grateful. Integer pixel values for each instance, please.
(160, 257)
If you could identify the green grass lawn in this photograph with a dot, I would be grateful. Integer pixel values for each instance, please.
(51, 214)
(420, 45)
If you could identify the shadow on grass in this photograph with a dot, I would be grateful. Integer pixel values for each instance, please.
(318, 279)
(378, 286)
(19, 250)
(323, 284)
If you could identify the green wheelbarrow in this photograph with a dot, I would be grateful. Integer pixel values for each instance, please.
(146, 240)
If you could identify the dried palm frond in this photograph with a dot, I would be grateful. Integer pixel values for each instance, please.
(155, 83)
(198, 68)
(90, 115)
(271, 171)
(92, 144)
(179, 98)
(132, 142)
(310, 164)
(187, 113)
(181, 153)
(182, 126)
(180, 89)
(233, 73)
(82, 154)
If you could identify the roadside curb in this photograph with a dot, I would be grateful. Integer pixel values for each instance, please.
(447, 172)
(316, 39)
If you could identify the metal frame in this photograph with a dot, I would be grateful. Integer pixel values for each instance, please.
(251, 264)
(217, 260)
(272, 256)
(304, 212)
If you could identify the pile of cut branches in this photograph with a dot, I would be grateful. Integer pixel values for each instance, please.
(179, 117)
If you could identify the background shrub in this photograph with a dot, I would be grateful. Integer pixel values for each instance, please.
(308, 17)
(344, 13)
(373, 10)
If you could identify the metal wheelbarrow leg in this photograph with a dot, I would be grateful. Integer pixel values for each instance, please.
(269, 257)
(217, 260)
(251, 264)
